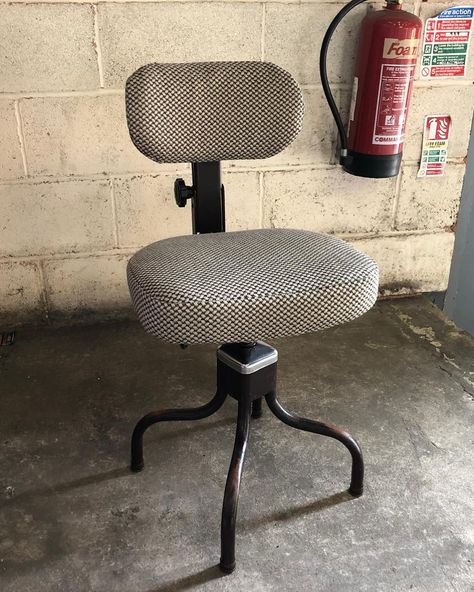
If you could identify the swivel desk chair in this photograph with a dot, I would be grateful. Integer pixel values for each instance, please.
(235, 288)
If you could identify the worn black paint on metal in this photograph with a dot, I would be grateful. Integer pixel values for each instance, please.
(186, 414)
(248, 390)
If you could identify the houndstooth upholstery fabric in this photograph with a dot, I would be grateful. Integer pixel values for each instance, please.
(211, 111)
(248, 285)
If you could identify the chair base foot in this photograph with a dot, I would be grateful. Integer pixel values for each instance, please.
(136, 468)
(355, 492)
(227, 568)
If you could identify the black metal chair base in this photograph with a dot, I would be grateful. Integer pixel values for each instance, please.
(246, 372)
(186, 414)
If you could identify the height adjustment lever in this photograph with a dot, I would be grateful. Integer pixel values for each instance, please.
(183, 192)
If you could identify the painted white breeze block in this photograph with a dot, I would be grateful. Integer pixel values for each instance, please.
(77, 199)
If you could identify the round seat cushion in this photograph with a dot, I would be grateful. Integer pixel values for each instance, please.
(249, 285)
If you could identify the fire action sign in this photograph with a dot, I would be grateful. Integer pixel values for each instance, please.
(446, 43)
(435, 145)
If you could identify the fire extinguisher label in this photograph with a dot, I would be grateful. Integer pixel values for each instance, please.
(394, 93)
(400, 49)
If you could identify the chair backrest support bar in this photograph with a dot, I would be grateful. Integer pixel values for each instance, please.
(208, 209)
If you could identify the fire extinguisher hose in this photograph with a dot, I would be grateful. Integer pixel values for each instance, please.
(324, 74)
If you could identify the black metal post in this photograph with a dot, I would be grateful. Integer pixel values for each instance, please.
(208, 200)
(257, 408)
(232, 486)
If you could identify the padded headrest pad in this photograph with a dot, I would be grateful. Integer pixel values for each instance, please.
(212, 111)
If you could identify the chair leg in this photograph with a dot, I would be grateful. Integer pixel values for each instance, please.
(257, 408)
(317, 427)
(148, 420)
(232, 487)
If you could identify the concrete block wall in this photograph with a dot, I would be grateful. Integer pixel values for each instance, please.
(77, 199)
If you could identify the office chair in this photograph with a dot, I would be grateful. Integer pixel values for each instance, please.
(234, 288)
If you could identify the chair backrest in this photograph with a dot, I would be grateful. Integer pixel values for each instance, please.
(210, 111)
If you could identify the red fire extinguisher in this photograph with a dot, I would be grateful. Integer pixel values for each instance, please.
(383, 79)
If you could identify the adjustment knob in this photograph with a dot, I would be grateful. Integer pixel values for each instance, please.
(182, 192)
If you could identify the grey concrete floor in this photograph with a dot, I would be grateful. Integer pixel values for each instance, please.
(72, 517)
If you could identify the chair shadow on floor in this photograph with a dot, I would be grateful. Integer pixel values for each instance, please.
(200, 578)
(296, 511)
(205, 575)
(106, 475)
(191, 581)
(65, 487)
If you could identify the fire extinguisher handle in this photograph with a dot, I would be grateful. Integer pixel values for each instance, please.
(324, 75)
